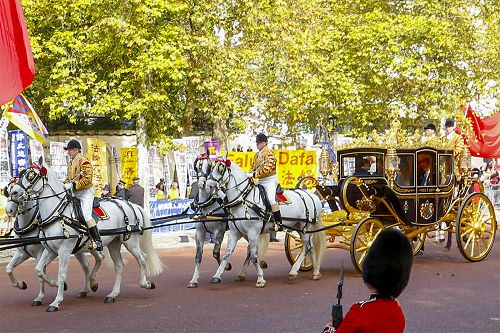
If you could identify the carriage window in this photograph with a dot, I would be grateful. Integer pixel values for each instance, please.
(404, 177)
(445, 170)
(362, 165)
(349, 165)
(425, 169)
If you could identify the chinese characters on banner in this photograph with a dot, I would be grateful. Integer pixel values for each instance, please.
(154, 172)
(291, 164)
(58, 160)
(4, 153)
(18, 151)
(192, 144)
(36, 150)
(96, 153)
(181, 169)
(129, 165)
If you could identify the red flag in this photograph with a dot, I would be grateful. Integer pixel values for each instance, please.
(17, 68)
(486, 139)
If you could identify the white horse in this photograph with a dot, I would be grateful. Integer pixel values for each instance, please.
(25, 227)
(210, 208)
(58, 220)
(247, 207)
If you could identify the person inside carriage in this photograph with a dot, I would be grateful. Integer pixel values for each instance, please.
(79, 178)
(364, 167)
(425, 174)
(264, 169)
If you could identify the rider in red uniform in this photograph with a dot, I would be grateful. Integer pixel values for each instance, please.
(386, 271)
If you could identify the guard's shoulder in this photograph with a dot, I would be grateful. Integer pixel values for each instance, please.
(371, 300)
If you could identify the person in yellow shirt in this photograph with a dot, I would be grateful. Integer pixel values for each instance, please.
(79, 179)
(174, 192)
(264, 169)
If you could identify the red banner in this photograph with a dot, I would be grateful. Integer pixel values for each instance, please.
(17, 68)
(486, 139)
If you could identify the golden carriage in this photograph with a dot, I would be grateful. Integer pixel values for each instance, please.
(420, 188)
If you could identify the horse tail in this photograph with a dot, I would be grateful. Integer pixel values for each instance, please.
(154, 266)
(319, 238)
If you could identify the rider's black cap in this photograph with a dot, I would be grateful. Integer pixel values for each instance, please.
(430, 126)
(449, 123)
(261, 137)
(387, 265)
(73, 144)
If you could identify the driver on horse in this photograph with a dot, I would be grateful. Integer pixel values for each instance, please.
(264, 169)
(79, 179)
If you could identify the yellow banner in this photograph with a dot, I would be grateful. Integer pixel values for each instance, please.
(291, 164)
(96, 153)
(129, 165)
(243, 159)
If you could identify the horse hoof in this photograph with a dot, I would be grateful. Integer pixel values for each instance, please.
(228, 266)
(316, 277)
(36, 303)
(260, 284)
(24, 286)
(109, 300)
(240, 279)
(52, 309)
(292, 277)
(263, 264)
(65, 286)
(215, 280)
(152, 285)
(193, 285)
(83, 294)
(446, 249)
(94, 287)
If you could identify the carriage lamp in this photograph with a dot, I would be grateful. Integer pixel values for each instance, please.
(325, 164)
(465, 162)
(391, 165)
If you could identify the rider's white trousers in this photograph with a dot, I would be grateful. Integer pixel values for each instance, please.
(270, 183)
(87, 200)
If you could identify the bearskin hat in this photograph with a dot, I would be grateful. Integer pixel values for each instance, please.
(261, 137)
(387, 265)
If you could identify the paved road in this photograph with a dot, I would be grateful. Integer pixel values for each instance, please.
(445, 294)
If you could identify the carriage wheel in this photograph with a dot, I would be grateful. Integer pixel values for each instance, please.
(365, 233)
(309, 183)
(476, 227)
(293, 247)
(417, 242)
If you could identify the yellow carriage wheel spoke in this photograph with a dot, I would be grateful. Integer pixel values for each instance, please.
(467, 242)
(296, 247)
(362, 257)
(364, 248)
(467, 231)
(478, 245)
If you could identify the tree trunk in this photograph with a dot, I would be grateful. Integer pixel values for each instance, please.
(220, 131)
(142, 154)
(187, 122)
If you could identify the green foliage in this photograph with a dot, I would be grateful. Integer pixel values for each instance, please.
(184, 65)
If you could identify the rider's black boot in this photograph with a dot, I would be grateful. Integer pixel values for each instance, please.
(94, 234)
(277, 220)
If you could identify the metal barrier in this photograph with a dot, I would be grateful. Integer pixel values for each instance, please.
(493, 193)
(164, 208)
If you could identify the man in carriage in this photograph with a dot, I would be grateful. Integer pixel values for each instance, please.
(79, 179)
(264, 169)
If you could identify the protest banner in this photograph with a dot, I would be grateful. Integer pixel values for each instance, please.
(129, 168)
(58, 160)
(96, 154)
(19, 156)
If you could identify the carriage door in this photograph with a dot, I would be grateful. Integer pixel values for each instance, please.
(445, 184)
(426, 179)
